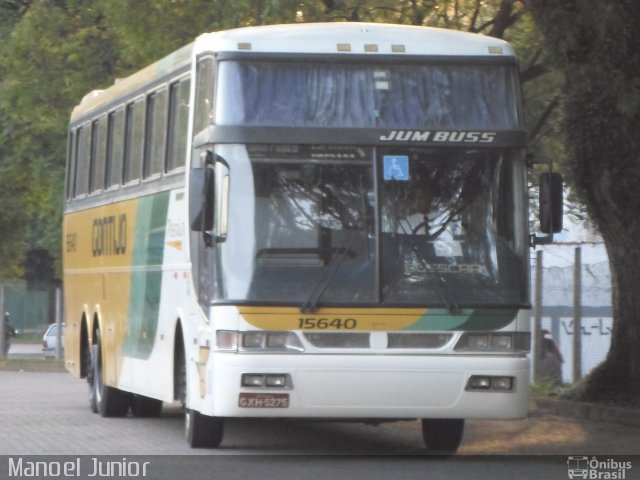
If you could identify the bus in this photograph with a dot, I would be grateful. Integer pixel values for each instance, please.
(307, 221)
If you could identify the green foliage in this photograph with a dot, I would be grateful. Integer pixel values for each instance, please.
(55, 51)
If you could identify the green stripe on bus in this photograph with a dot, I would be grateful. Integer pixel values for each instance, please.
(439, 319)
(146, 277)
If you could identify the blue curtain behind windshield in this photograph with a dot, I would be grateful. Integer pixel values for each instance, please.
(368, 96)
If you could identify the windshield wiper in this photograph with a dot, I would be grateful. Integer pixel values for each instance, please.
(311, 304)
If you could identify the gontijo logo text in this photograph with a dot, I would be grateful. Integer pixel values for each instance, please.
(109, 235)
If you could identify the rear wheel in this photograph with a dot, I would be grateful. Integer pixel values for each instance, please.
(442, 436)
(110, 402)
(93, 402)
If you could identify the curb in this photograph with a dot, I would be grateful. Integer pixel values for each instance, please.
(586, 411)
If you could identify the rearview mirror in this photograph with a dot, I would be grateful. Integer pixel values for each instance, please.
(201, 192)
(551, 202)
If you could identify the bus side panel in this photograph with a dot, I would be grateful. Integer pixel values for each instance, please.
(161, 296)
(99, 248)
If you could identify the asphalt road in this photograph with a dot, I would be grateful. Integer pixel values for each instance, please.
(48, 414)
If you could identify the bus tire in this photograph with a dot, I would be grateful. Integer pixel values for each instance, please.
(442, 436)
(110, 401)
(203, 431)
(93, 402)
(142, 406)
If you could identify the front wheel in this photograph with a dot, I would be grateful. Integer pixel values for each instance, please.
(442, 436)
(203, 431)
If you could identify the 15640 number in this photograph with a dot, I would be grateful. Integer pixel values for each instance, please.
(314, 323)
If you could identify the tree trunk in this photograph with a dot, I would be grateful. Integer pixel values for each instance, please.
(596, 47)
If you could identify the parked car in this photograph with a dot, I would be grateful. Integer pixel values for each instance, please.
(50, 339)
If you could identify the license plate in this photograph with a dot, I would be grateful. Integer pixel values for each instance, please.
(263, 400)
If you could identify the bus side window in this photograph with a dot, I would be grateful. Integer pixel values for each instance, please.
(71, 163)
(83, 150)
(115, 148)
(178, 123)
(204, 95)
(98, 155)
(156, 136)
(134, 142)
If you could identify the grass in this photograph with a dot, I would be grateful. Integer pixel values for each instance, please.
(547, 388)
(31, 364)
(33, 338)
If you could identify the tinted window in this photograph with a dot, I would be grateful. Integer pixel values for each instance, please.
(82, 160)
(156, 140)
(115, 148)
(178, 122)
(134, 143)
(99, 148)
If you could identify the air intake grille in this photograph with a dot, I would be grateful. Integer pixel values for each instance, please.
(418, 340)
(338, 340)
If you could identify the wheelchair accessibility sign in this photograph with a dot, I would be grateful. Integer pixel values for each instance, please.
(396, 167)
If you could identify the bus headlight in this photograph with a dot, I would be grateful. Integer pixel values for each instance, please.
(258, 341)
(253, 339)
(494, 342)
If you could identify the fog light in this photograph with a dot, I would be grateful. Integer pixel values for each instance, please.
(252, 380)
(276, 381)
(502, 383)
(479, 383)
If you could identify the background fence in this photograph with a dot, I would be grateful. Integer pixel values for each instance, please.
(29, 309)
(575, 289)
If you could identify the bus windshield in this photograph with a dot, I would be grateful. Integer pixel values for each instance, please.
(340, 95)
(319, 229)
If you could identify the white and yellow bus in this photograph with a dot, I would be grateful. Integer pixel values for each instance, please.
(305, 221)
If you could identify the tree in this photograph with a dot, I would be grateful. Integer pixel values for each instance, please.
(52, 53)
(595, 46)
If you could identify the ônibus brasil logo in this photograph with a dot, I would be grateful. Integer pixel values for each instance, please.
(595, 468)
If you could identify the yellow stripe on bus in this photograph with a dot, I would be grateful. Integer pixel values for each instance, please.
(370, 319)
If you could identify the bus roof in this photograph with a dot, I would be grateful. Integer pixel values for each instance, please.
(354, 38)
(306, 38)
